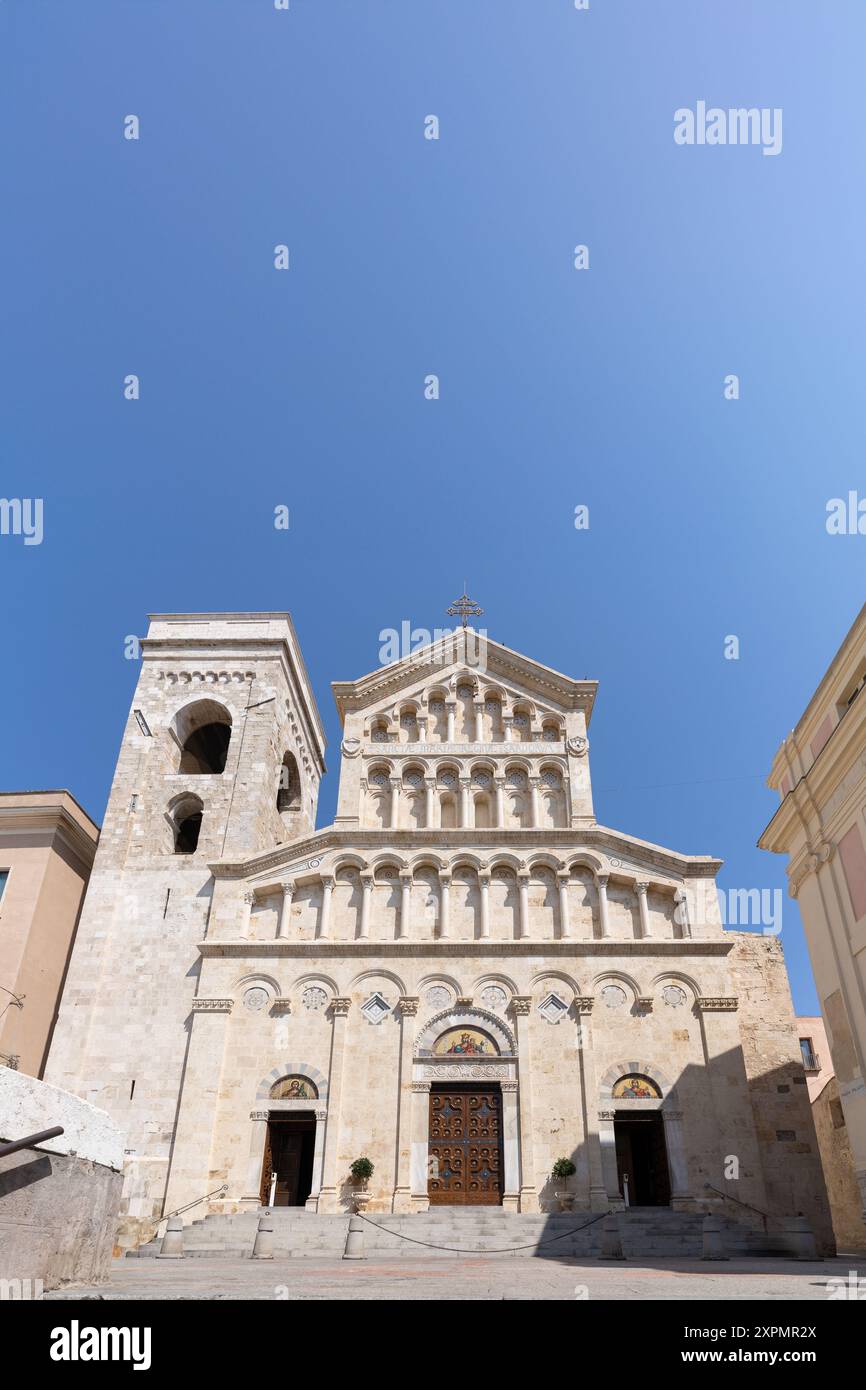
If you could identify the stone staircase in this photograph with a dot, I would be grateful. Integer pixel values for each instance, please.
(447, 1232)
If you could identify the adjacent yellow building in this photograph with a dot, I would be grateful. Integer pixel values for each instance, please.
(47, 844)
(820, 775)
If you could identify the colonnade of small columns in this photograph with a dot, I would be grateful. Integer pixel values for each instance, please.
(465, 803)
(444, 875)
(548, 726)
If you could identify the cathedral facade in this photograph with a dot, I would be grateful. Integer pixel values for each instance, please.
(464, 978)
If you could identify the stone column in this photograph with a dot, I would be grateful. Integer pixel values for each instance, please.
(484, 887)
(444, 892)
(422, 728)
(366, 895)
(395, 803)
(681, 1192)
(682, 913)
(450, 707)
(430, 803)
(607, 1141)
(598, 1195)
(521, 1005)
(246, 916)
(563, 878)
(312, 1202)
(523, 898)
(258, 1137)
(285, 909)
(508, 727)
(479, 721)
(328, 1196)
(188, 1176)
(725, 1093)
(511, 1146)
(420, 1128)
(535, 811)
(407, 1008)
(601, 881)
(405, 926)
(325, 913)
(641, 889)
(465, 818)
(499, 783)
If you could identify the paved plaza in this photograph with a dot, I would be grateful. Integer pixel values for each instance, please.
(474, 1278)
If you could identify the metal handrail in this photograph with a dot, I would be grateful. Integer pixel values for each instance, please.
(30, 1140)
(764, 1215)
(217, 1192)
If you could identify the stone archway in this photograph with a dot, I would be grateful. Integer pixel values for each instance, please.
(624, 1105)
(269, 1109)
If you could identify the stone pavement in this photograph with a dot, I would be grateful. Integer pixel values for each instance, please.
(468, 1279)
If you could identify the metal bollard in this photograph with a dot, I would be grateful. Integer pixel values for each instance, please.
(172, 1241)
(711, 1235)
(355, 1240)
(263, 1245)
(800, 1238)
(611, 1243)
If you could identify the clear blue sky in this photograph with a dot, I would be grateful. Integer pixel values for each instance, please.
(409, 257)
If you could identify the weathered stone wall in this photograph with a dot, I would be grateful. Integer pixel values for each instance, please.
(58, 1202)
(777, 1085)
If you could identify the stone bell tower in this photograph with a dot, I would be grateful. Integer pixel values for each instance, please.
(222, 756)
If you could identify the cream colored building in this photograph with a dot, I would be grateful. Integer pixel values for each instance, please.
(464, 978)
(820, 775)
(47, 845)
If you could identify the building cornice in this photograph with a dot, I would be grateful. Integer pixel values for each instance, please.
(435, 659)
(393, 950)
(50, 820)
(619, 849)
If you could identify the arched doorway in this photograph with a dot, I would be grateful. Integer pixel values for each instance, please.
(290, 1143)
(639, 1137)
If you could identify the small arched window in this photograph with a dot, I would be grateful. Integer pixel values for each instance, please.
(185, 817)
(289, 789)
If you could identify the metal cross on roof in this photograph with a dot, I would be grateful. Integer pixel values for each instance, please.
(464, 608)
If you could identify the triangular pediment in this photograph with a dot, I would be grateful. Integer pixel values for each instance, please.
(471, 652)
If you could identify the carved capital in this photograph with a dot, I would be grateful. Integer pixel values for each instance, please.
(282, 1004)
(717, 1003)
(321, 1115)
(288, 890)
(521, 1004)
(583, 1003)
(259, 1115)
(340, 1006)
(602, 880)
(606, 1116)
(212, 1006)
(641, 888)
(407, 1005)
(419, 1087)
(509, 1086)
(644, 1002)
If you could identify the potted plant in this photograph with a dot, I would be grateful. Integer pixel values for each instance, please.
(361, 1171)
(562, 1170)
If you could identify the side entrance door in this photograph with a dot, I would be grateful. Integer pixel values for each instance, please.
(465, 1146)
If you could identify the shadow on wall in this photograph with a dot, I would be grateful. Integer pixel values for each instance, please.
(718, 1142)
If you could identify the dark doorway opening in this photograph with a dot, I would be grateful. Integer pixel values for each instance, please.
(641, 1153)
(289, 1156)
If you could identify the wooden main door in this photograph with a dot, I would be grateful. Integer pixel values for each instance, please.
(465, 1146)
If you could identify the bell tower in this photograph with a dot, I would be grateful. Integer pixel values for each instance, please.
(221, 758)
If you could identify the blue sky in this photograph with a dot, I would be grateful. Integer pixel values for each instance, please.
(454, 257)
